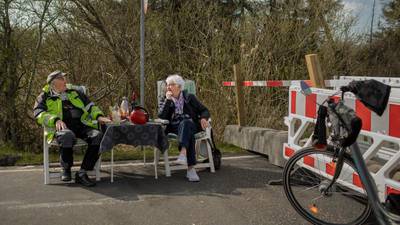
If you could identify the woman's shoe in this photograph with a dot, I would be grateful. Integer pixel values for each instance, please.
(192, 176)
(182, 160)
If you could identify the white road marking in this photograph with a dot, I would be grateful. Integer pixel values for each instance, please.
(95, 202)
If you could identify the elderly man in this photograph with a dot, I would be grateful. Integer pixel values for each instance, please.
(68, 114)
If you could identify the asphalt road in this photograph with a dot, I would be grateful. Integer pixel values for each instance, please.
(237, 194)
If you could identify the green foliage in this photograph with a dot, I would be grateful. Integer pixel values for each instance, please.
(381, 56)
(7, 150)
(392, 13)
(97, 43)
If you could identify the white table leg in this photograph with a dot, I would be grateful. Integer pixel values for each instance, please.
(112, 165)
(166, 164)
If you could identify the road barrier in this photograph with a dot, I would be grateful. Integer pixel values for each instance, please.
(379, 138)
(281, 83)
(335, 84)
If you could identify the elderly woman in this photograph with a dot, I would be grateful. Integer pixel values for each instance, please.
(187, 116)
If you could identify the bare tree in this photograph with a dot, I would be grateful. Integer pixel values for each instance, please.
(97, 42)
(40, 31)
(92, 16)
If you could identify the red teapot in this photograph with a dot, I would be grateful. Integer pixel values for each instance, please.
(139, 115)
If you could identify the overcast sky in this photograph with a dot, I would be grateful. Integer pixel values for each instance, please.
(363, 10)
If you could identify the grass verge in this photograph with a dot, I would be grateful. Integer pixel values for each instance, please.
(121, 153)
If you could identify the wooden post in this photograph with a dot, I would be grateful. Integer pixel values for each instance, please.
(239, 95)
(314, 71)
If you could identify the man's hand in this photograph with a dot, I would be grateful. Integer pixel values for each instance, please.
(60, 125)
(168, 95)
(103, 120)
(204, 123)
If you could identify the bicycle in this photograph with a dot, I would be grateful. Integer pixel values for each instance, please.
(317, 180)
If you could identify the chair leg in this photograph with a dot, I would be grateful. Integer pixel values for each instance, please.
(197, 148)
(166, 164)
(46, 166)
(112, 165)
(210, 157)
(144, 155)
(98, 166)
(156, 158)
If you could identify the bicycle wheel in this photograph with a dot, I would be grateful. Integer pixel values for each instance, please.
(307, 175)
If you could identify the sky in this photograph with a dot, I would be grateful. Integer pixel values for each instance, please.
(362, 9)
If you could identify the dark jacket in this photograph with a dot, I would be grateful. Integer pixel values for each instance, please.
(192, 107)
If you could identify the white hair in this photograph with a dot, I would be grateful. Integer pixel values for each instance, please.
(52, 84)
(176, 79)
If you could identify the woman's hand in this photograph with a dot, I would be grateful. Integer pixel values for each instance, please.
(168, 95)
(204, 123)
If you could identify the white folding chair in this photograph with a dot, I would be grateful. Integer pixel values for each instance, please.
(79, 143)
(202, 145)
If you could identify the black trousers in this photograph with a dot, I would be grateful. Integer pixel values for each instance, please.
(186, 130)
(67, 138)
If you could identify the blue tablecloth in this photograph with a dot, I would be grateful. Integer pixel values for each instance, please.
(150, 134)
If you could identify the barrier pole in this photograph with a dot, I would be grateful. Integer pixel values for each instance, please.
(239, 95)
(314, 70)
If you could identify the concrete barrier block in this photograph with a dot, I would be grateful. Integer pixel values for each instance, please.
(262, 140)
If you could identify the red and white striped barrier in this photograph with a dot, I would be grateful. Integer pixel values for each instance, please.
(392, 81)
(343, 80)
(388, 123)
(265, 83)
(281, 83)
(380, 130)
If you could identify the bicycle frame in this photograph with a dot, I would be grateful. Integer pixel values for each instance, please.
(382, 215)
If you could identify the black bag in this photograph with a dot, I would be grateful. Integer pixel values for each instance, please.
(392, 203)
(319, 135)
(373, 94)
(349, 119)
(217, 155)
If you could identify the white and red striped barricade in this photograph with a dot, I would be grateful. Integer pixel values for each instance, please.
(335, 84)
(394, 82)
(379, 137)
(283, 83)
(260, 83)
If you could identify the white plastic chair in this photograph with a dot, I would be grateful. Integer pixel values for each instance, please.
(79, 143)
(202, 145)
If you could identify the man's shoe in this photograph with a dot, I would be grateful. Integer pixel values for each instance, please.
(192, 176)
(66, 175)
(84, 180)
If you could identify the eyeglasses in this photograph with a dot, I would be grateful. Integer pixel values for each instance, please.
(172, 84)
